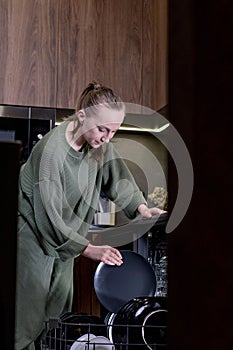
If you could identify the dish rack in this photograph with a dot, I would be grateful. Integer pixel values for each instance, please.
(58, 336)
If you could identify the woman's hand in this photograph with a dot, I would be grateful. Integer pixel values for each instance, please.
(104, 253)
(147, 213)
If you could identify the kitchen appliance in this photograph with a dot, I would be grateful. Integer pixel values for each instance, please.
(131, 231)
(141, 323)
(27, 124)
(137, 319)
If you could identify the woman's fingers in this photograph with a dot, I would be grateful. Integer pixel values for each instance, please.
(156, 211)
(111, 256)
(147, 213)
(106, 254)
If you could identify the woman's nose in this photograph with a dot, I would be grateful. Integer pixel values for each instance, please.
(105, 138)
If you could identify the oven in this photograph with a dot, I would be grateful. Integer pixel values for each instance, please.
(27, 124)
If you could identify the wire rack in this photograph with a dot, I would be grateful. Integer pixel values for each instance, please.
(79, 336)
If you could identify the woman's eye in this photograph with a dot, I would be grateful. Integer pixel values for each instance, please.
(101, 129)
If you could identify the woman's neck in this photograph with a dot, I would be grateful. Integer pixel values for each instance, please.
(73, 138)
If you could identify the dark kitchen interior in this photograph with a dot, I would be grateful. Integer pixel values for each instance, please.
(198, 105)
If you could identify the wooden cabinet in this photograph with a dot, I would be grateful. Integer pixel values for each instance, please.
(155, 54)
(122, 44)
(106, 46)
(28, 34)
(50, 50)
(85, 299)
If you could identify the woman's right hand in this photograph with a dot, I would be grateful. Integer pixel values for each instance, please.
(104, 253)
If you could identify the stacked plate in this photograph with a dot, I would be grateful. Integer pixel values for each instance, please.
(137, 319)
(139, 324)
(91, 342)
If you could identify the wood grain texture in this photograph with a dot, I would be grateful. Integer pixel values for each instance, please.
(104, 40)
(50, 50)
(28, 52)
(122, 44)
(155, 54)
(85, 299)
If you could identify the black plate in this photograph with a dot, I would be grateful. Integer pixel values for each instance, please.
(140, 324)
(116, 285)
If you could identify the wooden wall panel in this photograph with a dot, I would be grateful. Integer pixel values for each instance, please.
(28, 31)
(155, 54)
(104, 43)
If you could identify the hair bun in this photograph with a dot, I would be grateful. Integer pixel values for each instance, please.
(96, 86)
(95, 93)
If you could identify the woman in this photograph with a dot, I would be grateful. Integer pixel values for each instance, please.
(59, 189)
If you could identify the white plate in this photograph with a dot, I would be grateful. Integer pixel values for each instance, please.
(100, 343)
(80, 343)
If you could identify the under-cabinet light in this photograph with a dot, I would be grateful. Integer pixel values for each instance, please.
(131, 128)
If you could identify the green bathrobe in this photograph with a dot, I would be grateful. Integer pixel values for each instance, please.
(59, 190)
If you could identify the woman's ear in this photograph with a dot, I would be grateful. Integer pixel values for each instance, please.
(81, 116)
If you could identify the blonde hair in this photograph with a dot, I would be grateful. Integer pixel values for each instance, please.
(95, 94)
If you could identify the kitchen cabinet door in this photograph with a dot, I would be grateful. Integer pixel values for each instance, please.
(85, 299)
(119, 43)
(28, 31)
(50, 50)
(155, 54)
(100, 40)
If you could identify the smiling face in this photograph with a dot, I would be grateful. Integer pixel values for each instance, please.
(99, 128)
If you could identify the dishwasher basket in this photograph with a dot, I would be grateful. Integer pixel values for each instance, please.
(61, 335)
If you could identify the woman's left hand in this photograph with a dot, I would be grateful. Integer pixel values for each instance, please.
(147, 213)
